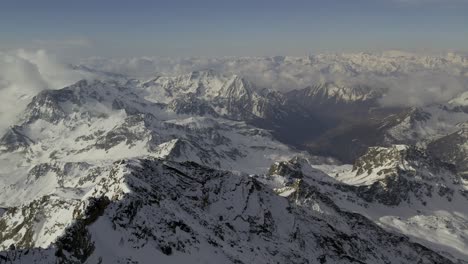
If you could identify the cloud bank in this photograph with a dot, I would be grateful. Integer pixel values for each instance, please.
(423, 90)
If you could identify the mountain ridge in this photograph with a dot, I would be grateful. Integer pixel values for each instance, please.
(98, 158)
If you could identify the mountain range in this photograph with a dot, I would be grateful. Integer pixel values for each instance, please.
(210, 167)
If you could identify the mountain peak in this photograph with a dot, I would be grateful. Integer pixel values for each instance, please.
(400, 173)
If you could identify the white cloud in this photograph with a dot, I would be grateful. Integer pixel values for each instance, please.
(23, 74)
(417, 90)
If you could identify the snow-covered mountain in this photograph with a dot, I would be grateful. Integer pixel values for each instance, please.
(150, 210)
(93, 123)
(208, 92)
(205, 167)
(401, 188)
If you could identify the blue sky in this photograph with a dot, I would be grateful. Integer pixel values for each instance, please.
(218, 28)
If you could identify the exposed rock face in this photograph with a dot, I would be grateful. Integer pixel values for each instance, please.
(287, 168)
(453, 149)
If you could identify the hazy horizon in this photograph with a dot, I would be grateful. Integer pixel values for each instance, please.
(224, 28)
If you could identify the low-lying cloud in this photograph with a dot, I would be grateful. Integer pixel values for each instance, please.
(423, 90)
